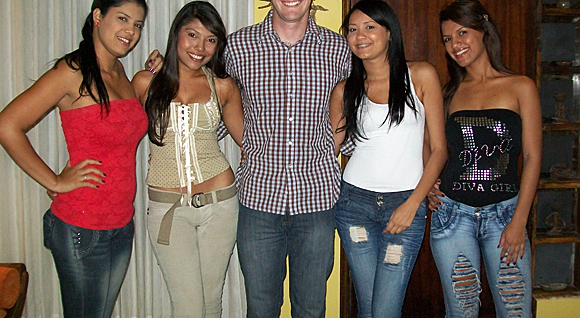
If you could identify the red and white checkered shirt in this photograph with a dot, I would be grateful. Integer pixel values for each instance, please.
(290, 163)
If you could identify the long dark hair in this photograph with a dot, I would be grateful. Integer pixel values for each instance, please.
(399, 80)
(165, 85)
(85, 58)
(471, 14)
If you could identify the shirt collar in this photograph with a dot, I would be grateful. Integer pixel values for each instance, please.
(267, 28)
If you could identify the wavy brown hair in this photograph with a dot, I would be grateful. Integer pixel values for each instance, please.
(471, 14)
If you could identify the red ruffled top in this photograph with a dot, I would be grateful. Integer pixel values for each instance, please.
(113, 140)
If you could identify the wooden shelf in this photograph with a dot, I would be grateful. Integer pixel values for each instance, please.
(550, 68)
(561, 127)
(570, 237)
(557, 12)
(551, 71)
(563, 184)
(570, 290)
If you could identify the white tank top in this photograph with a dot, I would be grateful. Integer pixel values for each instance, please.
(391, 158)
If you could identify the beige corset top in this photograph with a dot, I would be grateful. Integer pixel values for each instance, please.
(190, 153)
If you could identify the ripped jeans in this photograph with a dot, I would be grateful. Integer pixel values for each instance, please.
(380, 264)
(460, 235)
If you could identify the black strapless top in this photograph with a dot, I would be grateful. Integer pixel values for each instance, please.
(484, 146)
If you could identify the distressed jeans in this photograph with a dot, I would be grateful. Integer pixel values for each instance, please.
(460, 234)
(380, 264)
(264, 242)
(91, 265)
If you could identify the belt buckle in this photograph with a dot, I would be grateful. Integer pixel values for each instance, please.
(195, 200)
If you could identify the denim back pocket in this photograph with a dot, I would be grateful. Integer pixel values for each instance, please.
(442, 218)
(422, 210)
(84, 240)
(505, 214)
(343, 196)
(47, 226)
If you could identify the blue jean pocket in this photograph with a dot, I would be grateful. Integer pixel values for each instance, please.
(343, 204)
(83, 240)
(344, 194)
(129, 229)
(505, 214)
(47, 226)
(342, 199)
(422, 210)
(442, 218)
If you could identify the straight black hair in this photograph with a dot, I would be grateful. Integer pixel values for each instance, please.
(399, 80)
(85, 58)
(165, 85)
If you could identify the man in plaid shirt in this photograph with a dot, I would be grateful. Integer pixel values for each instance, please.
(286, 67)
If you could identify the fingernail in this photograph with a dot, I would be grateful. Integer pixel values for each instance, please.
(150, 60)
(97, 187)
(153, 72)
(104, 174)
(100, 161)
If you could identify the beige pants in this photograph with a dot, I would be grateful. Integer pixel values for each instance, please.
(194, 264)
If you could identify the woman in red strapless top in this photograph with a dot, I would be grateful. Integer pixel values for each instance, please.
(89, 227)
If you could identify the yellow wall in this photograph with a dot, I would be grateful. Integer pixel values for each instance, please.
(332, 20)
(560, 307)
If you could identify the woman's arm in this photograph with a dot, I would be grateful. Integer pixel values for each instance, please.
(428, 90)
(140, 83)
(57, 87)
(512, 239)
(232, 111)
(336, 119)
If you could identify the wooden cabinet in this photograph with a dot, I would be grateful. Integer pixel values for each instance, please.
(554, 223)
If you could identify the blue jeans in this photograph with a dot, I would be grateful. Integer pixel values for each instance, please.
(460, 234)
(264, 241)
(380, 264)
(91, 265)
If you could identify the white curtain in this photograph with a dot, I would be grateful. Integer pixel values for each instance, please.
(33, 33)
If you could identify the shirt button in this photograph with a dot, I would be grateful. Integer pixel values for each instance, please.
(290, 119)
(289, 166)
(291, 96)
(291, 73)
(290, 143)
